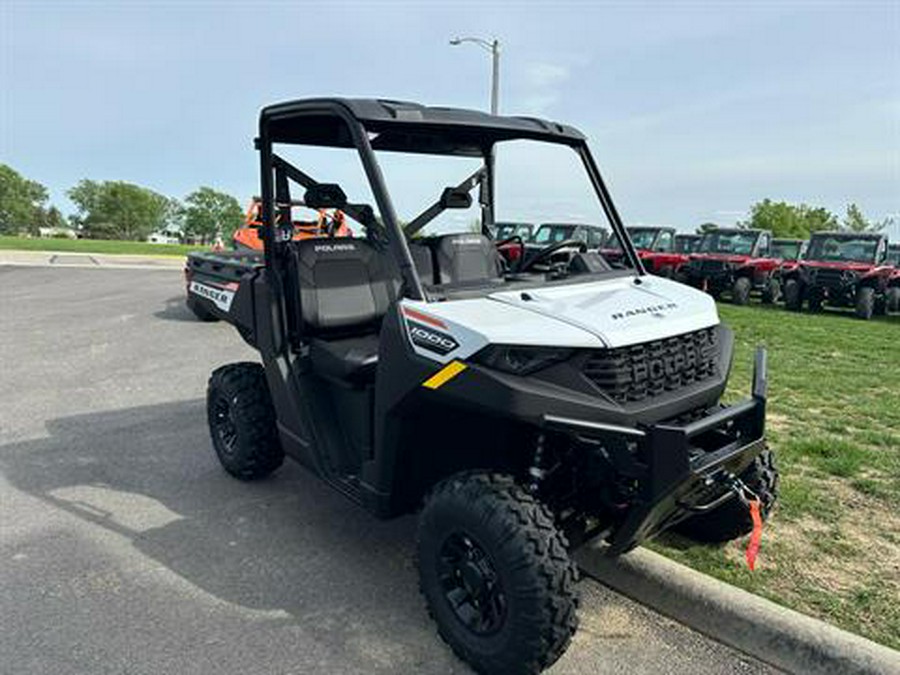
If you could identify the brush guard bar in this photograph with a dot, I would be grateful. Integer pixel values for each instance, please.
(680, 470)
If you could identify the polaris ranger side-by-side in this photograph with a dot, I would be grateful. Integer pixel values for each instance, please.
(522, 408)
(843, 269)
(738, 262)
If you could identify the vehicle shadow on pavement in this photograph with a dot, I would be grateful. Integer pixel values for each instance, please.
(176, 310)
(287, 543)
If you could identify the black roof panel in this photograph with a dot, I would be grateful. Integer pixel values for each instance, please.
(404, 126)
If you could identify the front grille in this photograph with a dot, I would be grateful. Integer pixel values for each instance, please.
(639, 372)
(713, 267)
(830, 278)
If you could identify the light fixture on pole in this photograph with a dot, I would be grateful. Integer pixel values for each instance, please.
(493, 46)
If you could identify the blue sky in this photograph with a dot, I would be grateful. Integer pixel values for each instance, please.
(694, 110)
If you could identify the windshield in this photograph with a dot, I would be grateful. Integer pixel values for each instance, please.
(507, 230)
(831, 248)
(735, 243)
(641, 238)
(685, 244)
(787, 250)
(893, 256)
(550, 234)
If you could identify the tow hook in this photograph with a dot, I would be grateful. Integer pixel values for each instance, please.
(749, 499)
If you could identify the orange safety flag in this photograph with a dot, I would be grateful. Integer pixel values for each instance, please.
(755, 536)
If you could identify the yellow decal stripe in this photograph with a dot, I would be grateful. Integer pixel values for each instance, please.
(445, 374)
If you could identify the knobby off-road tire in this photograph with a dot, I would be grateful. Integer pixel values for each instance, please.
(740, 292)
(793, 296)
(732, 519)
(772, 292)
(893, 299)
(201, 312)
(242, 421)
(865, 303)
(495, 573)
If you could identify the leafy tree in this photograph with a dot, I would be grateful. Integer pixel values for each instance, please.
(21, 201)
(208, 213)
(855, 221)
(790, 220)
(118, 210)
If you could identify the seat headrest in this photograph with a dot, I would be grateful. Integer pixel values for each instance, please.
(466, 258)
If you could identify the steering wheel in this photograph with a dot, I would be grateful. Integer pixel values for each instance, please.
(548, 251)
(509, 240)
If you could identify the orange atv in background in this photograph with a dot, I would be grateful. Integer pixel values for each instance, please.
(326, 225)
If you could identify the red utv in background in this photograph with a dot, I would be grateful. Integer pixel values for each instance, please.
(843, 269)
(737, 262)
(655, 246)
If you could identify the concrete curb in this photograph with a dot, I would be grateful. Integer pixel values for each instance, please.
(88, 260)
(773, 634)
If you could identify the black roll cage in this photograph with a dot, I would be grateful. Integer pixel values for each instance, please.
(402, 127)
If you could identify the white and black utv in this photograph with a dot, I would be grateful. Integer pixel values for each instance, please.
(522, 407)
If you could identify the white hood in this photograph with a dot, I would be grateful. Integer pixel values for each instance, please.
(610, 313)
(623, 311)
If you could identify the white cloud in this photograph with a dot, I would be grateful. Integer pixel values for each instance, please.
(545, 75)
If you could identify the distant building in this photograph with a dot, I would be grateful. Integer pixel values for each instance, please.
(56, 233)
(164, 238)
(167, 235)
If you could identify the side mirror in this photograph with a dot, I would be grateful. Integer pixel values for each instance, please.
(325, 196)
(452, 198)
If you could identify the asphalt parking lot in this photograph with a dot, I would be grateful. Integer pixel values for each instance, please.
(126, 549)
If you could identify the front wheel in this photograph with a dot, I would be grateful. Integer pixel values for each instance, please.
(495, 573)
(732, 519)
(740, 292)
(865, 303)
(893, 299)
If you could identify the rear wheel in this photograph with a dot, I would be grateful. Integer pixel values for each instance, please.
(893, 299)
(793, 296)
(496, 575)
(740, 291)
(201, 312)
(242, 421)
(732, 519)
(865, 303)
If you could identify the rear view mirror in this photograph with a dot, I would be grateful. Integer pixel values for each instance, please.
(453, 198)
(325, 196)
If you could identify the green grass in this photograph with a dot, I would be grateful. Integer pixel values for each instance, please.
(832, 547)
(96, 246)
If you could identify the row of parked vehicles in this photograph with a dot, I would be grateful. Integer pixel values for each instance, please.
(839, 269)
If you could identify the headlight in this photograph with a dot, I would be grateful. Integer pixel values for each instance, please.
(520, 360)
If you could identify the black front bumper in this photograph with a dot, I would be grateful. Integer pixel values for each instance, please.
(683, 467)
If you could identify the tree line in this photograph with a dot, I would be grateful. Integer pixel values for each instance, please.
(116, 210)
(120, 210)
(799, 221)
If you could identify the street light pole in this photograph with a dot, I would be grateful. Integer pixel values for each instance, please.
(494, 48)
